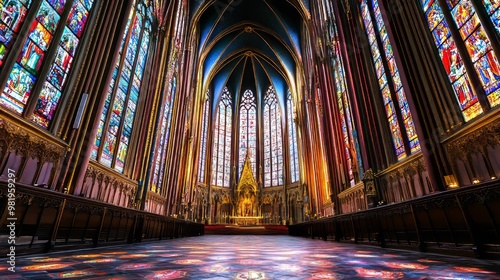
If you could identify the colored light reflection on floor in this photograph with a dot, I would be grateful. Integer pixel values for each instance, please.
(135, 266)
(46, 266)
(101, 261)
(167, 274)
(75, 274)
(318, 263)
(216, 268)
(248, 257)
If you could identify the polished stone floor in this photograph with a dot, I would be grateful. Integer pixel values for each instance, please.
(248, 257)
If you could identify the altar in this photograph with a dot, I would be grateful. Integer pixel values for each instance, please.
(246, 197)
(245, 221)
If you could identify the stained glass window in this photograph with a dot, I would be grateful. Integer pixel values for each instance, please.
(160, 150)
(221, 156)
(273, 141)
(478, 46)
(396, 79)
(26, 71)
(352, 149)
(13, 14)
(493, 10)
(248, 131)
(389, 82)
(204, 138)
(169, 94)
(292, 139)
(115, 127)
(56, 78)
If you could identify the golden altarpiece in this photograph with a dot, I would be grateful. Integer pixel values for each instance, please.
(246, 197)
(249, 203)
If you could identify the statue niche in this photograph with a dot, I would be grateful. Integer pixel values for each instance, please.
(247, 192)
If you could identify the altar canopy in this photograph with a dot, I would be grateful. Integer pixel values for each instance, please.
(247, 199)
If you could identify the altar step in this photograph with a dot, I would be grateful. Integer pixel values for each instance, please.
(246, 230)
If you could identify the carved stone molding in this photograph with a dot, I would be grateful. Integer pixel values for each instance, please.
(109, 180)
(155, 197)
(19, 140)
(221, 195)
(357, 190)
(400, 179)
(271, 196)
(295, 193)
(475, 142)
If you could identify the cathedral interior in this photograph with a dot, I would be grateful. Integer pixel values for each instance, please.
(371, 124)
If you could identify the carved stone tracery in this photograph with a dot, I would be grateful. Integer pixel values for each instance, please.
(22, 142)
(475, 142)
(109, 186)
(26, 143)
(471, 148)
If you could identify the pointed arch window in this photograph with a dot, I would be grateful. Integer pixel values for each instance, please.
(273, 140)
(204, 138)
(115, 126)
(58, 28)
(479, 53)
(292, 140)
(248, 131)
(389, 82)
(221, 156)
(160, 153)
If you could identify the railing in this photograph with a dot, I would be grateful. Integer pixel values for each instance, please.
(463, 221)
(46, 220)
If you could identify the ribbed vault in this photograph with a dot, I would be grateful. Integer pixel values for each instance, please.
(249, 45)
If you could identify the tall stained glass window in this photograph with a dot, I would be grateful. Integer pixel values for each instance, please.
(204, 138)
(115, 127)
(56, 78)
(479, 51)
(389, 82)
(160, 149)
(248, 131)
(160, 153)
(221, 156)
(292, 139)
(352, 150)
(273, 140)
(13, 14)
(42, 34)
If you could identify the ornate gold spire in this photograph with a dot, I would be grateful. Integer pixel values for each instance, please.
(247, 178)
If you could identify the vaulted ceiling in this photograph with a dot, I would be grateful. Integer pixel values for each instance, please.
(249, 44)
